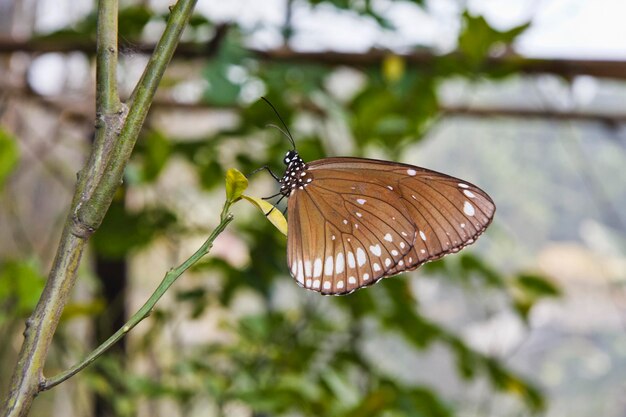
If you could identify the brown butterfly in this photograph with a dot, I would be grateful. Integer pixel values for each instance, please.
(353, 221)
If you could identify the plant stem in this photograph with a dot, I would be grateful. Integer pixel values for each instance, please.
(41, 325)
(97, 182)
(145, 310)
(91, 213)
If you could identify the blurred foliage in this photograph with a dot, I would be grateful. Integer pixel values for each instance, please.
(309, 359)
(21, 284)
(122, 231)
(478, 39)
(9, 156)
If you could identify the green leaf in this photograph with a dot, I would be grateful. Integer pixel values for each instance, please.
(527, 289)
(132, 20)
(156, 154)
(474, 266)
(9, 156)
(122, 231)
(236, 184)
(537, 286)
(21, 285)
(507, 382)
(223, 87)
(477, 38)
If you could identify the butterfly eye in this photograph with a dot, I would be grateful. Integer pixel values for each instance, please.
(289, 157)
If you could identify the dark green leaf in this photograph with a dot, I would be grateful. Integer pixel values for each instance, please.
(21, 285)
(537, 286)
(478, 38)
(122, 231)
(156, 153)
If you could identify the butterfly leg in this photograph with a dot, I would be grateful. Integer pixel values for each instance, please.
(267, 168)
(273, 207)
(272, 196)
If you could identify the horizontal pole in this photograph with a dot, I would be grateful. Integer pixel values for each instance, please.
(615, 69)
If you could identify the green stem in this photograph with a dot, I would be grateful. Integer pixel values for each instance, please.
(145, 310)
(42, 324)
(109, 109)
(94, 192)
(91, 213)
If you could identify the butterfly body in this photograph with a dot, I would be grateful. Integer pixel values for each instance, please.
(353, 221)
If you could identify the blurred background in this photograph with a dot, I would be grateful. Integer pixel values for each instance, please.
(525, 98)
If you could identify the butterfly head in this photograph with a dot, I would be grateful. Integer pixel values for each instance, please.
(295, 174)
(291, 156)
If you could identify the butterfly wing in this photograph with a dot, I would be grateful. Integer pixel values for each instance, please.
(357, 220)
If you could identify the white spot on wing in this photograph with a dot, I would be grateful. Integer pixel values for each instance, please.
(411, 172)
(469, 193)
(468, 208)
(339, 285)
(360, 256)
(359, 214)
(339, 263)
(352, 280)
(351, 261)
(402, 245)
(328, 266)
(366, 276)
(317, 268)
(361, 201)
(387, 262)
(376, 267)
(316, 283)
(423, 236)
(307, 268)
(390, 187)
(388, 237)
(394, 252)
(375, 249)
(463, 185)
(327, 285)
(300, 276)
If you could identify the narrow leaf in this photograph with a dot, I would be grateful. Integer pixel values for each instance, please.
(272, 213)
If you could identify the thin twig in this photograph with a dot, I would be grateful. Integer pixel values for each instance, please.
(145, 310)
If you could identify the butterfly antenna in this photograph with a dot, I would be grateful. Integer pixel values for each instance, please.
(280, 129)
(288, 133)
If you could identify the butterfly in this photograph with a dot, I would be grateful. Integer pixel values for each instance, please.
(354, 221)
